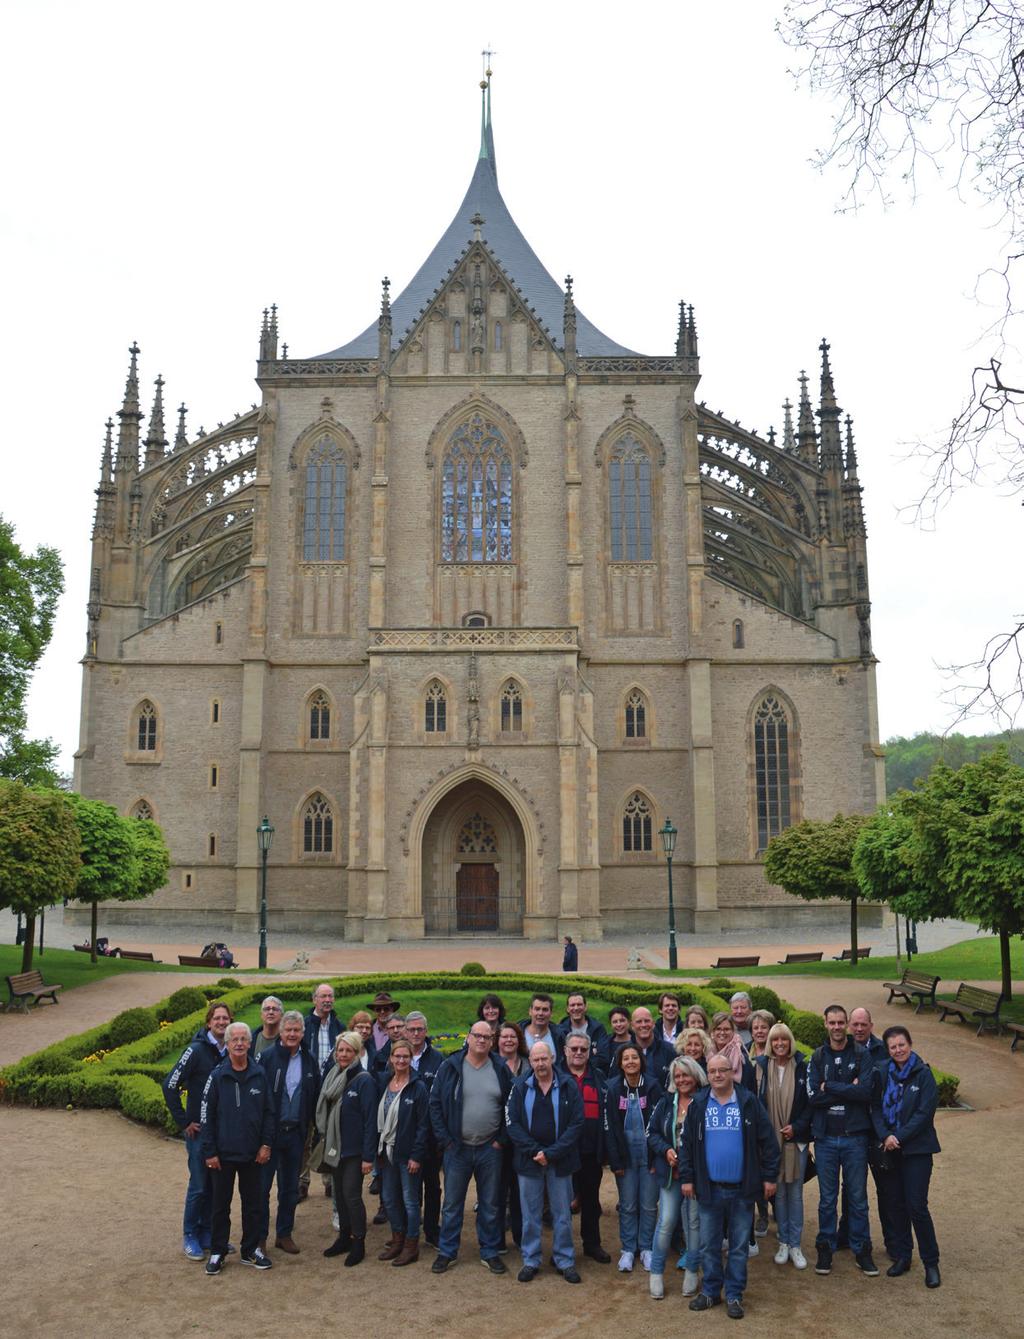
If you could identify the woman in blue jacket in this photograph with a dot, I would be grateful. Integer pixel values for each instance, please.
(903, 1114)
(664, 1135)
(402, 1123)
(782, 1088)
(346, 1116)
(630, 1100)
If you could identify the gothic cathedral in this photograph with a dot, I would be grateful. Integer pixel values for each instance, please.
(470, 607)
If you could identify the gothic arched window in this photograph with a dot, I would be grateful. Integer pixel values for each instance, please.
(629, 498)
(497, 337)
(318, 826)
(142, 809)
(319, 717)
(477, 837)
(323, 520)
(457, 336)
(511, 706)
(476, 495)
(146, 727)
(637, 824)
(771, 769)
(435, 709)
(636, 715)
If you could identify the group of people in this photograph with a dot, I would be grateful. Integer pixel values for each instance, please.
(704, 1122)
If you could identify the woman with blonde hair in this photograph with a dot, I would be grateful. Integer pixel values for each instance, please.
(694, 1042)
(349, 1130)
(782, 1088)
(760, 1022)
(685, 1077)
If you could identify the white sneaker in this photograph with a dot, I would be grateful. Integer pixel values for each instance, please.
(335, 1221)
(626, 1262)
(690, 1283)
(782, 1255)
(645, 1260)
(657, 1282)
(797, 1256)
(753, 1250)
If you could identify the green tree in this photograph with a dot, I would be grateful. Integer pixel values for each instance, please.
(152, 858)
(886, 862)
(814, 860)
(109, 865)
(39, 860)
(908, 760)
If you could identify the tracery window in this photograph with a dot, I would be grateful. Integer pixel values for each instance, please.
(629, 495)
(147, 728)
(771, 769)
(476, 495)
(323, 523)
(319, 717)
(457, 336)
(477, 837)
(142, 809)
(511, 706)
(636, 715)
(637, 824)
(318, 826)
(435, 709)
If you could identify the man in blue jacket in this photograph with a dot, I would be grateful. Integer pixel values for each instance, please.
(545, 1122)
(195, 1065)
(322, 1028)
(728, 1158)
(426, 1061)
(295, 1086)
(237, 1136)
(579, 1022)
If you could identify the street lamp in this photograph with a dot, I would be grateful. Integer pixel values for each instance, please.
(264, 835)
(668, 835)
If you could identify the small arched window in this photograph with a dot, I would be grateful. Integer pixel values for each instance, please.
(435, 710)
(142, 809)
(629, 497)
(476, 495)
(457, 336)
(319, 717)
(636, 715)
(146, 727)
(771, 769)
(323, 522)
(511, 707)
(476, 620)
(637, 824)
(318, 826)
(497, 336)
(737, 634)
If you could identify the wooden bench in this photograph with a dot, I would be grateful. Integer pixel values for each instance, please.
(913, 985)
(736, 962)
(29, 988)
(847, 954)
(82, 948)
(134, 956)
(801, 957)
(974, 1003)
(1016, 1031)
(193, 960)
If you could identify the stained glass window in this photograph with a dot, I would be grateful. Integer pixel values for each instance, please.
(636, 715)
(771, 769)
(629, 494)
(511, 706)
(476, 495)
(318, 826)
(477, 837)
(323, 524)
(319, 717)
(637, 824)
(147, 727)
(436, 709)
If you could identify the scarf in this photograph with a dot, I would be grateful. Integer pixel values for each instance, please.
(734, 1053)
(892, 1098)
(387, 1122)
(780, 1096)
(328, 1111)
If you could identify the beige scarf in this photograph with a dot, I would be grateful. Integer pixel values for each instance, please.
(780, 1105)
(387, 1122)
(328, 1111)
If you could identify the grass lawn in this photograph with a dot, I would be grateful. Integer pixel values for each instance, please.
(65, 967)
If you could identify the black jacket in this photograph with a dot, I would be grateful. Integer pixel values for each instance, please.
(570, 958)
(916, 1128)
(849, 1078)
(650, 1094)
(310, 1040)
(275, 1061)
(760, 1147)
(195, 1065)
(597, 1032)
(431, 1061)
(446, 1099)
(413, 1119)
(592, 1141)
(238, 1115)
(358, 1125)
(800, 1115)
(563, 1155)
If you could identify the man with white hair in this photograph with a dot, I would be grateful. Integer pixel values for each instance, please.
(270, 1011)
(294, 1086)
(237, 1128)
(741, 1009)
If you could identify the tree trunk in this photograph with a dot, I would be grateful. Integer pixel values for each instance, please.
(1004, 955)
(92, 940)
(29, 944)
(853, 931)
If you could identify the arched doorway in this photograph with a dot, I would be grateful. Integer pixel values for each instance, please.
(473, 864)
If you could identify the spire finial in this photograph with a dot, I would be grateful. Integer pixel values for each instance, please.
(788, 440)
(477, 222)
(131, 386)
(385, 296)
(268, 335)
(106, 463)
(806, 436)
(569, 326)
(851, 452)
(486, 131)
(831, 448)
(828, 390)
(156, 438)
(384, 324)
(181, 436)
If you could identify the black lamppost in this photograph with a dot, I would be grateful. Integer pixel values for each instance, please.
(264, 835)
(668, 835)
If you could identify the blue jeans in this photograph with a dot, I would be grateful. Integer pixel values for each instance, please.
(401, 1197)
(789, 1206)
(672, 1207)
(849, 1154)
(286, 1163)
(198, 1197)
(461, 1162)
(638, 1208)
(726, 1214)
(531, 1198)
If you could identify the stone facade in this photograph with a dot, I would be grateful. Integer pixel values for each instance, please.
(469, 614)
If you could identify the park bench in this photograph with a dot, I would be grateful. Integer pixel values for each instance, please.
(913, 985)
(193, 960)
(801, 957)
(736, 962)
(1016, 1031)
(136, 956)
(972, 1003)
(29, 988)
(82, 948)
(847, 954)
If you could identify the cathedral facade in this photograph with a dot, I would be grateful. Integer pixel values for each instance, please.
(470, 607)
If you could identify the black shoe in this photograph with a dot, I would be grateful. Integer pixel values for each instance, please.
(824, 1265)
(442, 1263)
(898, 1268)
(375, 1185)
(358, 1252)
(494, 1263)
(571, 1276)
(597, 1253)
(527, 1274)
(379, 1217)
(341, 1244)
(215, 1264)
(702, 1302)
(258, 1260)
(734, 1309)
(932, 1277)
(866, 1264)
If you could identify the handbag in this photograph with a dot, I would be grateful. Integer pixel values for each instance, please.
(880, 1159)
(316, 1157)
(810, 1171)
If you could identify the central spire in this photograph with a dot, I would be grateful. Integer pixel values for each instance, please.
(486, 130)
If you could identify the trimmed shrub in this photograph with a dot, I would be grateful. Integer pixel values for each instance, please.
(948, 1086)
(131, 1025)
(762, 997)
(187, 1000)
(142, 1099)
(808, 1028)
(472, 969)
(227, 983)
(721, 985)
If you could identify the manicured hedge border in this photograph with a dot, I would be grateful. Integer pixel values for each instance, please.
(89, 1070)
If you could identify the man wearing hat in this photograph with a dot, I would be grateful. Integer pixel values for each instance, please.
(382, 1006)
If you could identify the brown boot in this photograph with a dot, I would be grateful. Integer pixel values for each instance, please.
(410, 1252)
(287, 1245)
(392, 1248)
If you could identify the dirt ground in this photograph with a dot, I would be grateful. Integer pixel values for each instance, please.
(96, 1202)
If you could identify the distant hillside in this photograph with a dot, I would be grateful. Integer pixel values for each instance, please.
(908, 759)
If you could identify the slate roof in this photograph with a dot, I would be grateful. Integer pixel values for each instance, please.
(509, 247)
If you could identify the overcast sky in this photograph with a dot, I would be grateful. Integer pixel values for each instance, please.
(168, 171)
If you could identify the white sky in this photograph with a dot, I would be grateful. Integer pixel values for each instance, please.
(168, 171)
